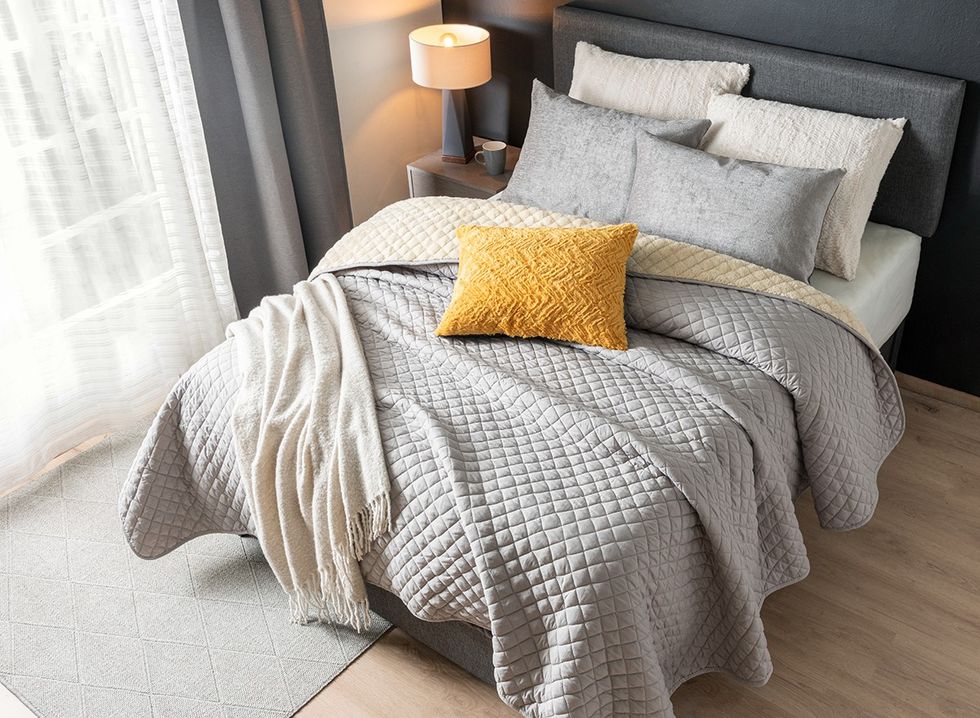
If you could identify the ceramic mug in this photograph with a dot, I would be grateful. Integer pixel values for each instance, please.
(493, 156)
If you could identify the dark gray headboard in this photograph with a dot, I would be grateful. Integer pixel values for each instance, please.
(911, 193)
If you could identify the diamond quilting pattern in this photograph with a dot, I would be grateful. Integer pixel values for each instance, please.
(614, 518)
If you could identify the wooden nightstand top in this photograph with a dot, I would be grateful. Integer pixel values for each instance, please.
(472, 175)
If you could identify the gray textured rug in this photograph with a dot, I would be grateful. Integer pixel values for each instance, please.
(88, 629)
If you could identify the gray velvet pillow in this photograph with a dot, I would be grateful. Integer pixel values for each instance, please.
(766, 214)
(579, 159)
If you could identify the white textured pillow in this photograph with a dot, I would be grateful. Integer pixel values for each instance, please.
(666, 89)
(767, 131)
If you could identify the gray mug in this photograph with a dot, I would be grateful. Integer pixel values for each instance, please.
(493, 156)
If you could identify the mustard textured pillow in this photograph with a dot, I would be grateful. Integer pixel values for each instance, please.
(558, 283)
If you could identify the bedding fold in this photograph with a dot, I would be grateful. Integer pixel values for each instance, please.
(615, 519)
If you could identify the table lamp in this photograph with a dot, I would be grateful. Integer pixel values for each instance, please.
(451, 58)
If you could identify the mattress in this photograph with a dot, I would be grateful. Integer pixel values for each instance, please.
(881, 293)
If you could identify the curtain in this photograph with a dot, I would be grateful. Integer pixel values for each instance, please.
(113, 276)
(269, 107)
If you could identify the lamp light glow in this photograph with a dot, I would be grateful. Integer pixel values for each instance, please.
(452, 58)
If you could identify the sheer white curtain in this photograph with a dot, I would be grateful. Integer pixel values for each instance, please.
(113, 277)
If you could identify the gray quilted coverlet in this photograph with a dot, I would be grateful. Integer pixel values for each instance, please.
(615, 519)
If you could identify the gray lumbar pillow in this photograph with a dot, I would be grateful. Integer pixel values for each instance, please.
(766, 214)
(579, 159)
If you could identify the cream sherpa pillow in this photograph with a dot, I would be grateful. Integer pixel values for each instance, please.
(665, 89)
(775, 132)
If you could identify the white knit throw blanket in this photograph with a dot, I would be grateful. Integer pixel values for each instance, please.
(309, 449)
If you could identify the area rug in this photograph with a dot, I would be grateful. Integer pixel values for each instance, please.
(88, 629)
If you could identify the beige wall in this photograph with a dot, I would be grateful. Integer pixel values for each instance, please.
(386, 120)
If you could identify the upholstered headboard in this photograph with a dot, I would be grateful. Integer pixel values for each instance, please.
(911, 193)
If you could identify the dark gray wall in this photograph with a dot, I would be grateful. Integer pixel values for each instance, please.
(942, 334)
(520, 46)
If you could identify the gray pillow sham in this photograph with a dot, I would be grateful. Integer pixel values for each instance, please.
(579, 158)
(766, 214)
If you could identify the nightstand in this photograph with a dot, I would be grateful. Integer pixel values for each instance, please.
(429, 176)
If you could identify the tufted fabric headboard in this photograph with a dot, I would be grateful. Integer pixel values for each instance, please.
(911, 193)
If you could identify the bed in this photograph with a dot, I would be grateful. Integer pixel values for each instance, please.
(907, 209)
(425, 579)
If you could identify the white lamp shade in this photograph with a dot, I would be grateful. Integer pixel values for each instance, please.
(450, 57)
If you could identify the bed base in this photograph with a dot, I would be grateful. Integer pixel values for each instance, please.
(465, 645)
(890, 349)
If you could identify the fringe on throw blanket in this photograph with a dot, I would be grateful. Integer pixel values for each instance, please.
(327, 598)
(306, 433)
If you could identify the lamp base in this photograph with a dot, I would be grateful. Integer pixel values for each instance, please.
(457, 132)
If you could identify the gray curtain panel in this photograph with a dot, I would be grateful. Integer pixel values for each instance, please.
(265, 87)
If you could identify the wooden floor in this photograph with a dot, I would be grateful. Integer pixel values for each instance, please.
(887, 624)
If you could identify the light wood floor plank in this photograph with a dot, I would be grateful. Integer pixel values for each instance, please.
(943, 393)
(402, 677)
(887, 625)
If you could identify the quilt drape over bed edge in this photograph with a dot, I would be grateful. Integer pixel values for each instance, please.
(615, 519)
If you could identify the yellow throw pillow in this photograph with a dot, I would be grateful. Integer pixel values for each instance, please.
(564, 284)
